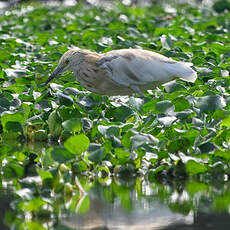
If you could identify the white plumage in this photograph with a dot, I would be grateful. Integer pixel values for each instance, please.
(122, 72)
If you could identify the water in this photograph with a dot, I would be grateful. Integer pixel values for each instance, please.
(154, 206)
(117, 204)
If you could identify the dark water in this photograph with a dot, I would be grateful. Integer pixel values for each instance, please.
(120, 204)
(154, 206)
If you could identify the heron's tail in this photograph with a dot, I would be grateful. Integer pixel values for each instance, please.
(182, 70)
(185, 72)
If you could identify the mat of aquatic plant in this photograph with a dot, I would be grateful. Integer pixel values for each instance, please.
(178, 130)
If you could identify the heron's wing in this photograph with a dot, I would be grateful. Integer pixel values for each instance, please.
(140, 67)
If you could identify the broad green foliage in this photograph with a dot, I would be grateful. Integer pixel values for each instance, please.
(178, 129)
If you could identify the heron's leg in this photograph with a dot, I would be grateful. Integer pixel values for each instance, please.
(136, 89)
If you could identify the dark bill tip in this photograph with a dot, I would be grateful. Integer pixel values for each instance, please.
(58, 70)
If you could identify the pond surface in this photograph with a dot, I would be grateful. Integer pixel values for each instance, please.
(119, 204)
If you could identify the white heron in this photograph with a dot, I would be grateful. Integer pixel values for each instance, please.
(122, 72)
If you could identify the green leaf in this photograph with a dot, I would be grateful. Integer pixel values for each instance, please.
(211, 103)
(54, 123)
(164, 106)
(72, 125)
(34, 204)
(173, 87)
(225, 122)
(194, 187)
(181, 104)
(65, 99)
(97, 155)
(84, 205)
(77, 144)
(194, 167)
(12, 117)
(45, 174)
(13, 126)
(61, 155)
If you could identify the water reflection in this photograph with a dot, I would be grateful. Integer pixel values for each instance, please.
(156, 207)
(5, 199)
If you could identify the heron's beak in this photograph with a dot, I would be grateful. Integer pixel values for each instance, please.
(57, 71)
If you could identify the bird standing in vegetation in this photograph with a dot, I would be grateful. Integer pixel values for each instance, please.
(122, 72)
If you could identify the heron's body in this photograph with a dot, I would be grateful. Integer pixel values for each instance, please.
(123, 72)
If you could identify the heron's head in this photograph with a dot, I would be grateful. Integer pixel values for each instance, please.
(70, 60)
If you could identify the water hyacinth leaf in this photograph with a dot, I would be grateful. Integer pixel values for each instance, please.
(173, 87)
(97, 155)
(164, 107)
(221, 6)
(45, 174)
(13, 126)
(65, 99)
(120, 113)
(40, 135)
(108, 131)
(61, 154)
(122, 154)
(166, 42)
(126, 139)
(181, 144)
(136, 103)
(4, 102)
(225, 122)
(181, 104)
(55, 124)
(225, 154)
(211, 103)
(12, 117)
(167, 120)
(77, 144)
(207, 147)
(33, 205)
(194, 167)
(13, 169)
(219, 48)
(138, 140)
(149, 106)
(72, 125)
(222, 115)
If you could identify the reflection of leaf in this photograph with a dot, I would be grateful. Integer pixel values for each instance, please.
(126, 201)
(221, 203)
(194, 187)
(83, 205)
